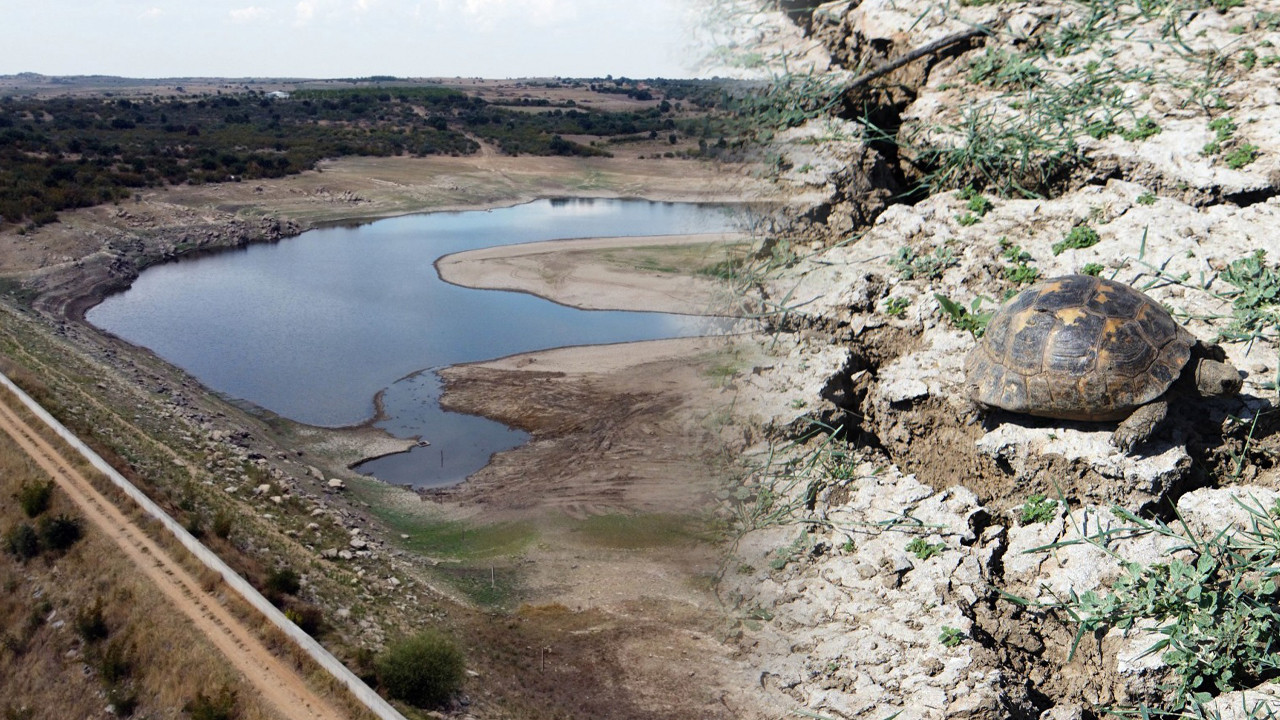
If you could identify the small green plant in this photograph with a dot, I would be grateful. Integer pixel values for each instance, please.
(1248, 58)
(971, 319)
(1256, 298)
(976, 203)
(1092, 269)
(951, 637)
(1021, 274)
(1037, 509)
(34, 497)
(1080, 236)
(924, 550)
(896, 306)
(930, 267)
(1223, 129)
(1242, 155)
(1142, 129)
(424, 670)
(1147, 198)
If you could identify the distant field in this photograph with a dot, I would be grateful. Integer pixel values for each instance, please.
(77, 142)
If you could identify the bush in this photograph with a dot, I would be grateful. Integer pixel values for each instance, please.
(115, 665)
(222, 524)
(308, 617)
(90, 624)
(34, 497)
(423, 670)
(23, 541)
(61, 532)
(283, 581)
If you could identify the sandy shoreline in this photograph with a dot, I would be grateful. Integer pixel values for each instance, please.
(581, 273)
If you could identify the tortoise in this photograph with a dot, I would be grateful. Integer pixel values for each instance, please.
(1079, 347)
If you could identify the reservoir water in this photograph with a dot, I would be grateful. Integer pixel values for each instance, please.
(313, 327)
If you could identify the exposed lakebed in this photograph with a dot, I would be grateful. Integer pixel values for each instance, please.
(315, 327)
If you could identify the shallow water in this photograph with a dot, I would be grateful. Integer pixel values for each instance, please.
(313, 327)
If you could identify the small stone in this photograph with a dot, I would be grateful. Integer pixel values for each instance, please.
(337, 484)
(359, 543)
(276, 499)
(262, 489)
(345, 554)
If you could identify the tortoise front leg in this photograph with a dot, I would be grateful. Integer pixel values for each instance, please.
(1138, 427)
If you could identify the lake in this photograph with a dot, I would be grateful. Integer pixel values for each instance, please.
(313, 327)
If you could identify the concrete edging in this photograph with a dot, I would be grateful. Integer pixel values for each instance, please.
(365, 694)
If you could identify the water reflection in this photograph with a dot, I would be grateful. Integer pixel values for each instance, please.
(314, 326)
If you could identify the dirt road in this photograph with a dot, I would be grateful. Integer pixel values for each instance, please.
(279, 685)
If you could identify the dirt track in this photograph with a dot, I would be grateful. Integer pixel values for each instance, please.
(279, 685)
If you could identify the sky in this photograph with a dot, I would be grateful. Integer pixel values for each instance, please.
(349, 38)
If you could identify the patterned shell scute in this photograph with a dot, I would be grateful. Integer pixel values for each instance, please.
(1079, 348)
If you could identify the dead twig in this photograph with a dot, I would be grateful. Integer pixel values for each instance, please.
(927, 49)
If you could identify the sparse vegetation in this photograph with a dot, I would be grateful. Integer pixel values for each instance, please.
(1211, 608)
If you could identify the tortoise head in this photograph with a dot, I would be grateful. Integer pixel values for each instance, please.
(1217, 379)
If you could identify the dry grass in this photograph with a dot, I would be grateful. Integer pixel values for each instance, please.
(45, 663)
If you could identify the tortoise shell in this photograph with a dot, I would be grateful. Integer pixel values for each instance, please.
(1077, 347)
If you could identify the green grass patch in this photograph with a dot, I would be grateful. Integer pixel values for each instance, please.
(438, 537)
(648, 530)
(491, 586)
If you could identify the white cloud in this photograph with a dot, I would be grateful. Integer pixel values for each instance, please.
(534, 12)
(248, 15)
(305, 10)
(150, 13)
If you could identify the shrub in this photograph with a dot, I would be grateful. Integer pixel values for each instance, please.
(307, 617)
(115, 666)
(422, 670)
(34, 497)
(283, 581)
(23, 541)
(222, 524)
(90, 624)
(61, 532)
